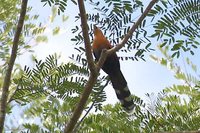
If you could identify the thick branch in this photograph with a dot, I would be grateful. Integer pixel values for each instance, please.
(93, 75)
(7, 78)
(86, 36)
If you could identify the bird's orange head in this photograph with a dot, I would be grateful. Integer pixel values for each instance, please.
(97, 31)
(100, 40)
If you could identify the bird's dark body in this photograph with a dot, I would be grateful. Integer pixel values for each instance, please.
(111, 66)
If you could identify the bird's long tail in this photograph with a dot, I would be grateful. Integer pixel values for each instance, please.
(122, 91)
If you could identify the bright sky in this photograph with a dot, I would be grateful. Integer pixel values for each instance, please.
(142, 77)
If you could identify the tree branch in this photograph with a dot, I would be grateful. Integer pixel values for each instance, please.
(7, 78)
(93, 72)
(105, 53)
(84, 26)
(95, 69)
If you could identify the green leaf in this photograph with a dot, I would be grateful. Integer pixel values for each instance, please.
(177, 46)
(40, 39)
(65, 18)
(56, 30)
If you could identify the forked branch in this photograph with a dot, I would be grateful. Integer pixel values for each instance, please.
(127, 36)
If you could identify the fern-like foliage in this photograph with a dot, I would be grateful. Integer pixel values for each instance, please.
(114, 119)
(177, 22)
(176, 108)
(115, 19)
(174, 22)
(49, 78)
(179, 108)
(50, 83)
(61, 4)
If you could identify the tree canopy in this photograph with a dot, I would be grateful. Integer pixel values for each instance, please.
(51, 89)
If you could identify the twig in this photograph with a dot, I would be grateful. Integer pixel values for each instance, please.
(95, 70)
(30, 94)
(7, 78)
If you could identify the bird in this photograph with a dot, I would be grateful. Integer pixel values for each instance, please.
(111, 67)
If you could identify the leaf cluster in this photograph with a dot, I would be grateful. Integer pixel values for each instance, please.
(176, 108)
(115, 18)
(174, 22)
(177, 23)
(180, 104)
(9, 17)
(61, 4)
(50, 78)
(114, 119)
(52, 90)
